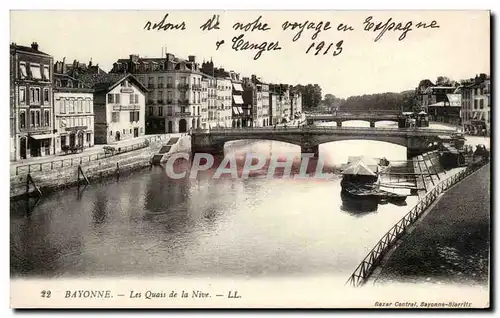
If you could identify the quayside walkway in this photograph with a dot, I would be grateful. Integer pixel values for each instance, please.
(449, 244)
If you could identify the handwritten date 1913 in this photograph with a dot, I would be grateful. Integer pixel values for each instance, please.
(321, 45)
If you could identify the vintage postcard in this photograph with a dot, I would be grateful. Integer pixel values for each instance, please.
(250, 159)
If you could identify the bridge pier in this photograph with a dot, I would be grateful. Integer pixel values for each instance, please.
(372, 124)
(310, 149)
(339, 123)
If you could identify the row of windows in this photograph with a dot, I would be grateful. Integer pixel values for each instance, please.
(35, 96)
(75, 122)
(73, 106)
(133, 117)
(34, 71)
(34, 119)
(69, 84)
(115, 98)
(160, 79)
(151, 110)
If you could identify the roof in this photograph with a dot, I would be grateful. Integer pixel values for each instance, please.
(359, 168)
(64, 79)
(27, 49)
(106, 82)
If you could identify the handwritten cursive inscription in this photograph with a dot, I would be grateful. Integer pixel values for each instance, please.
(239, 44)
(163, 25)
(390, 25)
(307, 25)
(256, 25)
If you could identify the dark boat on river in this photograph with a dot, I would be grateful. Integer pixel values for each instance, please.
(361, 180)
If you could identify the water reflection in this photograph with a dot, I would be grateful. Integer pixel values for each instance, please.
(149, 224)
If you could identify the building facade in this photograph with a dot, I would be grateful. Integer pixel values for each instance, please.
(173, 102)
(273, 109)
(31, 109)
(73, 113)
(237, 113)
(119, 107)
(476, 105)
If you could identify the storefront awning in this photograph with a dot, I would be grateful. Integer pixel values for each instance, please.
(237, 99)
(46, 136)
(240, 110)
(235, 111)
(237, 87)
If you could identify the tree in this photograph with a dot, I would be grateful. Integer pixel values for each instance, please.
(443, 81)
(311, 95)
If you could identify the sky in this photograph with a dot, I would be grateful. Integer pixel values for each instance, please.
(458, 49)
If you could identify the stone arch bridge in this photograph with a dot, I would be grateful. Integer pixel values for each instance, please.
(416, 140)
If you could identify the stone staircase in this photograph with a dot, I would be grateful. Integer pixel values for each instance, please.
(159, 157)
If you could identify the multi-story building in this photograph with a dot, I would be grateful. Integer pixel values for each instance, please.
(273, 109)
(174, 99)
(73, 112)
(283, 107)
(31, 109)
(211, 97)
(257, 94)
(476, 104)
(237, 113)
(119, 106)
(222, 111)
(265, 103)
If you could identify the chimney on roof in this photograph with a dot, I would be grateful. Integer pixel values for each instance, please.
(34, 46)
(192, 58)
(90, 63)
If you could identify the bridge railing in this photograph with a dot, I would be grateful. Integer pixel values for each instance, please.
(398, 131)
(375, 256)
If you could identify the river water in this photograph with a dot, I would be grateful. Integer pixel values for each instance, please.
(147, 224)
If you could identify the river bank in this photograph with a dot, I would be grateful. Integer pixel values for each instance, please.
(451, 244)
(50, 180)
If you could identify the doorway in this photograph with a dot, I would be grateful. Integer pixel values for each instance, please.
(117, 136)
(72, 140)
(182, 125)
(22, 147)
(136, 132)
(170, 129)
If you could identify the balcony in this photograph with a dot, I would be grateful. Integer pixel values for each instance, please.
(170, 101)
(151, 85)
(184, 102)
(170, 85)
(126, 107)
(33, 129)
(160, 101)
(160, 85)
(182, 113)
(196, 87)
(183, 87)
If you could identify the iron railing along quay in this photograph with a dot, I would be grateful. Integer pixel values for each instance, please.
(375, 256)
(79, 160)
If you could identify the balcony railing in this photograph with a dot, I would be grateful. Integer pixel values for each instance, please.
(160, 85)
(170, 101)
(196, 87)
(170, 85)
(183, 113)
(184, 102)
(126, 107)
(160, 101)
(151, 85)
(35, 128)
(183, 86)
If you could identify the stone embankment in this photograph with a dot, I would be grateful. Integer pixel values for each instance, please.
(113, 166)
